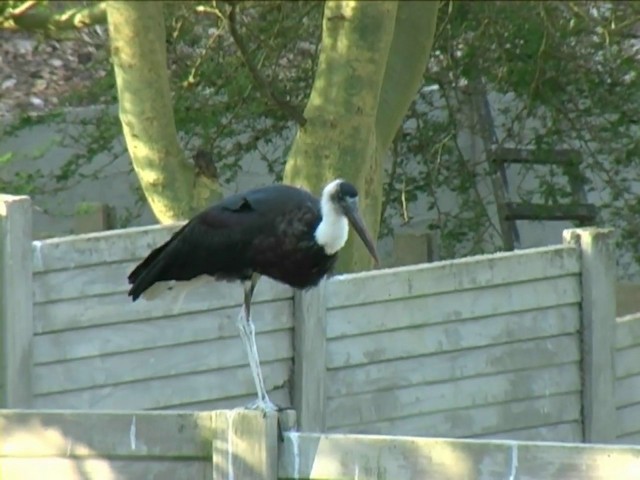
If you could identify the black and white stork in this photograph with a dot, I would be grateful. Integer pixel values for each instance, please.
(279, 231)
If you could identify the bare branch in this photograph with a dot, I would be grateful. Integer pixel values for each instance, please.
(290, 110)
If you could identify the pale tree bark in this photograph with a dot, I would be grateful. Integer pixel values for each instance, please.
(371, 64)
(172, 186)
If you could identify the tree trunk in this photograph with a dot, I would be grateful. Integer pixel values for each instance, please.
(371, 64)
(171, 185)
(339, 139)
(404, 74)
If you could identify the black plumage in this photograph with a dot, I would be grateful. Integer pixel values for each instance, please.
(269, 231)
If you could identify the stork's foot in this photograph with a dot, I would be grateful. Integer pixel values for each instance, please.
(264, 405)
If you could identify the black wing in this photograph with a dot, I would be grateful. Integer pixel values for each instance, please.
(219, 240)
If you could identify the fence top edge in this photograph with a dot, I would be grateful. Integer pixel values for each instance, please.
(121, 232)
(455, 262)
(298, 437)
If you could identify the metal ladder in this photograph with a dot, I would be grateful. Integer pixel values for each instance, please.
(579, 210)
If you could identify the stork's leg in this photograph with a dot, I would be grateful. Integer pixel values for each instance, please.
(248, 334)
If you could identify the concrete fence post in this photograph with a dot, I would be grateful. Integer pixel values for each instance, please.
(16, 301)
(310, 358)
(597, 331)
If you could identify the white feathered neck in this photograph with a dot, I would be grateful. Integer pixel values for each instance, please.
(333, 230)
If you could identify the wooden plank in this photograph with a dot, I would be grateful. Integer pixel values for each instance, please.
(466, 422)
(322, 456)
(93, 217)
(249, 448)
(160, 332)
(280, 396)
(316, 456)
(453, 365)
(102, 469)
(627, 299)
(159, 392)
(628, 331)
(456, 394)
(586, 212)
(81, 282)
(454, 275)
(454, 336)
(99, 248)
(111, 278)
(628, 419)
(16, 304)
(628, 391)
(411, 247)
(82, 434)
(631, 438)
(453, 306)
(310, 365)
(577, 462)
(158, 362)
(118, 308)
(561, 432)
(598, 327)
(627, 362)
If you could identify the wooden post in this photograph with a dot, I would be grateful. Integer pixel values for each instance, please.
(245, 444)
(16, 301)
(309, 359)
(93, 217)
(411, 248)
(597, 331)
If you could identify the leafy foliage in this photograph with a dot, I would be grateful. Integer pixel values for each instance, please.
(566, 74)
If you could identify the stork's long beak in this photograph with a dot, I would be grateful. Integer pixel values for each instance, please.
(351, 211)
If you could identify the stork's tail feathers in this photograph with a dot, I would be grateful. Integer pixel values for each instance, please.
(148, 272)
(167, 268)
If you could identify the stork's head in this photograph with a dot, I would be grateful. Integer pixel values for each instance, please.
(339, 204)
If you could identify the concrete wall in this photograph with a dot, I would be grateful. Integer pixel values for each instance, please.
(94, 348)
(486, 346)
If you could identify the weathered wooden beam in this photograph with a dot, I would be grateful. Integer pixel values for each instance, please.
(310, 353)
(99, 445)
(316, 456)
(527, 211)
(451, 276)
(80, 434)
(92, 248)
(245, 445)
(559, 156)
(411, 248)
(93, 217)
(16, 300)
(598, 330)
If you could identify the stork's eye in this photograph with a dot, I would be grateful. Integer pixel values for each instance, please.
(347, 190)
